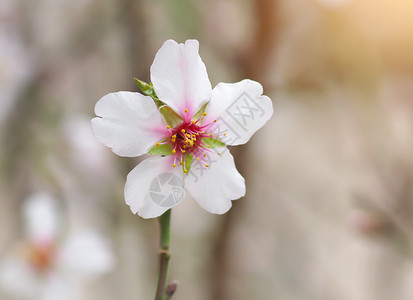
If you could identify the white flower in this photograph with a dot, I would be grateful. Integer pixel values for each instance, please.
(191, 128)
(45, 268)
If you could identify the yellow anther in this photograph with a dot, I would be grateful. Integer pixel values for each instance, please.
(181, 163)
(197, 158)
(183, 130)
(168, 127)
(193, 122)
(215, 121)
(204, 113)
(219, 154)
(188, 135)
(204, 154)
(207, 165)
(183, 151)
(173, 151)
(208, 146)
(186, 110)
(191, 143)
(174, 136)
(225, 134)
(174, 165)
(185, 171)
(211, 134)
(173, 140)
(157, 144)
(203, 132)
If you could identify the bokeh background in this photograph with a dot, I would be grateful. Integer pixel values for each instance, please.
(329, 207)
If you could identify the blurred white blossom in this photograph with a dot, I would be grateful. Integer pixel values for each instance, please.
(85, 151)
(47, 266)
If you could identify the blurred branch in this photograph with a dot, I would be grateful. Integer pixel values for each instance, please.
(253, 62)
(133, 15)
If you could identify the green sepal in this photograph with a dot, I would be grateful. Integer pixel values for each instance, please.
(188, 161)
(213, 143)
(148, 89)
(170, 116)
(200, 112)
(162, 149)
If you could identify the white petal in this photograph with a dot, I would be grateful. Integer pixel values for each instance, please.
(240, 110)
(18, 279)
(85, 253)
(41, 218)
(58, 287)
(130, 123)
(214, 187)
(154, 186)
(180, 78)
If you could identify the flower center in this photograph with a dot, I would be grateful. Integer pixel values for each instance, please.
(40, 256)
(191, 140)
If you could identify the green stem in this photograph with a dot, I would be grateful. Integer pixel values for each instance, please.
(164, 222)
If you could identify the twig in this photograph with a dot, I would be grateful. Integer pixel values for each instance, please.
(164, 255)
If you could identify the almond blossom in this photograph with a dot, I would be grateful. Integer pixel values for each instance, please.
(185, 126)
(45, 267)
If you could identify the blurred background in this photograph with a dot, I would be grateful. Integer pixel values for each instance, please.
(329, 207)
